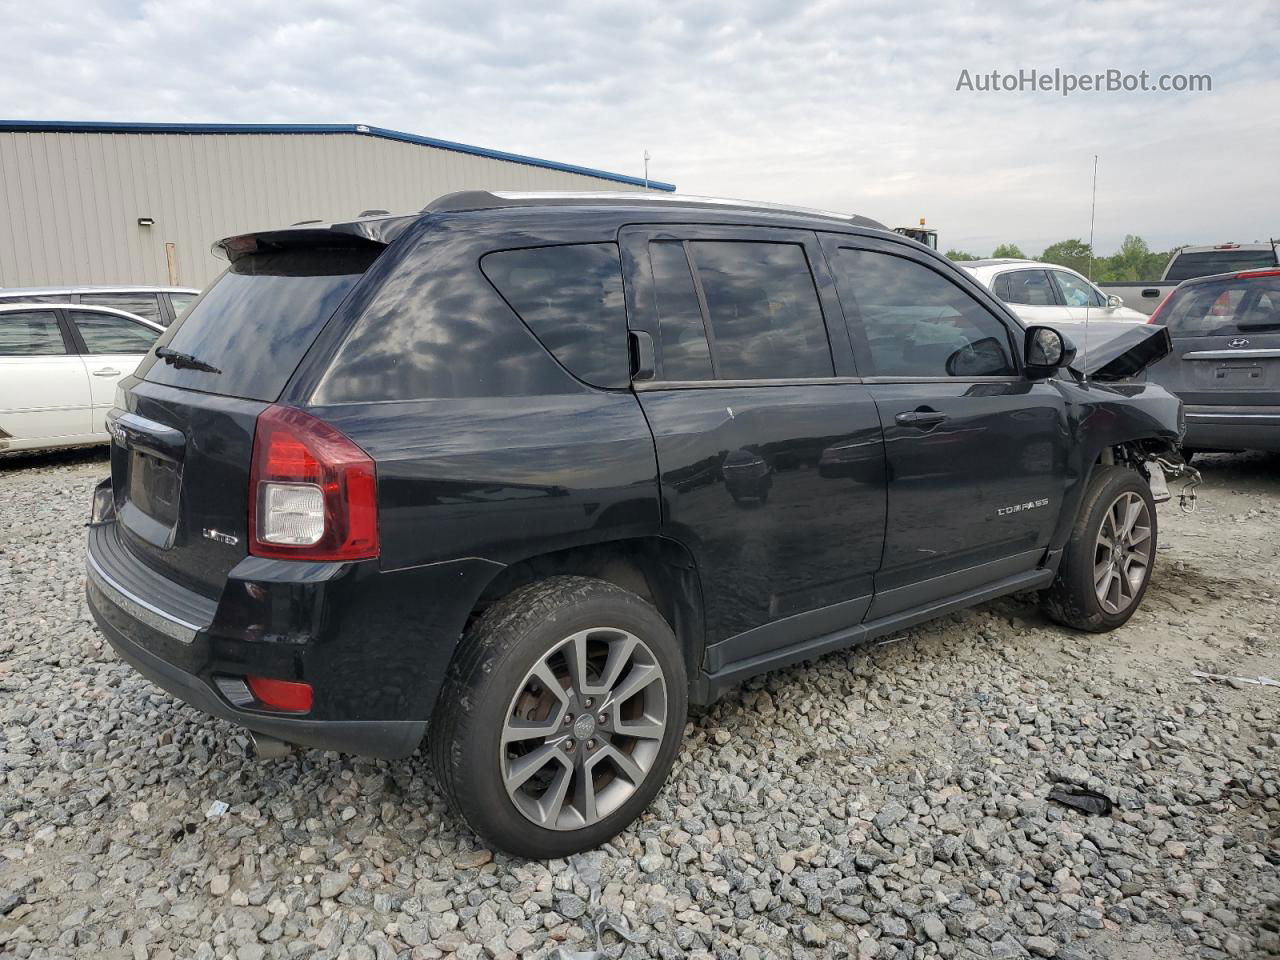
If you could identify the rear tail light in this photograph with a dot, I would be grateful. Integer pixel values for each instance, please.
(281, 694)
(1262, 272)
(312, 492)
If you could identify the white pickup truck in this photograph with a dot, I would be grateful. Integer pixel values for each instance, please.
(1189, 263)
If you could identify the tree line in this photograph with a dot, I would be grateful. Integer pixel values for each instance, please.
(1134, 261)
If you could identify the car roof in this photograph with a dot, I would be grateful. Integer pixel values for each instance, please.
(994, 261)
(382, 228)
(79, 308)
(987, 270)
(500, 199)
(94, 288)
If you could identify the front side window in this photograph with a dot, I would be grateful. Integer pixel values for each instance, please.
(1077, 291)
(104, 333)
(916, 323)
(33, 333)
(766, 320)
(571, 298)
(1027, 287)
(139, 304)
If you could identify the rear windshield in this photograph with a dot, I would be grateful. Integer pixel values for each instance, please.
(1224, 308)
(258, 319)
(1188, 266)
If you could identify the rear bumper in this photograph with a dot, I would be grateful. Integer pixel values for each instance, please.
(373, 645)
(388, 739)
(1211, 427)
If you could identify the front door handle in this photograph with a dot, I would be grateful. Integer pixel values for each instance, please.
(922, 419)
(106, 372)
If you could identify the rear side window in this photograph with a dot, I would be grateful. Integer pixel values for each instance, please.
(1028, 287)
(685, 352)
(737, 310)
(765, 317)
(1188, 266)
(571, 298)
(142, 305)
(33, 334)
(103, 333)
(257, 320)
(1224, 308)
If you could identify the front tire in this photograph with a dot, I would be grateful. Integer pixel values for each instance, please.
(560, 717)
(1108, 560)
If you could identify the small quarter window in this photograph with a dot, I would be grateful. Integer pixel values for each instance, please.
(571, 298)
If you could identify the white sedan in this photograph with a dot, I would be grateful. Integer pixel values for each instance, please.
(1045, 293)
(59, 366)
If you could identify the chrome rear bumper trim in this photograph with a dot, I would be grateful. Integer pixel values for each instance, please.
(139, 609)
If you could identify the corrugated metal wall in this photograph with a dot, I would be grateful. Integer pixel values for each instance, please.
(71, 201)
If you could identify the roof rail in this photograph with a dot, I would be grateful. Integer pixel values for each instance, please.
(496, 199)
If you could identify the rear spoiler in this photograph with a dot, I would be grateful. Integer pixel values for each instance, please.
(371, 232)
(1116, 350)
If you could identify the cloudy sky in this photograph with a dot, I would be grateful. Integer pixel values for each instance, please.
(848, 106)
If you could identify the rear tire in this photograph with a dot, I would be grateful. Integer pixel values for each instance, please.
(560, 717)
(1108, 560)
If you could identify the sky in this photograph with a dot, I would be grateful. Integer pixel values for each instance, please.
(845, 106)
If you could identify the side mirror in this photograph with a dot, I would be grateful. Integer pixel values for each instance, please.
(1046, 351)
(1114, 302)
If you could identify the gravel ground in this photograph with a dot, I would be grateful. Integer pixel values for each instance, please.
(886, 803)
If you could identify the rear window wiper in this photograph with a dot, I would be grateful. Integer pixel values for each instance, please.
(184, 361)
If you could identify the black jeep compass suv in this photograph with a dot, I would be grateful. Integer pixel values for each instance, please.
(526, 475)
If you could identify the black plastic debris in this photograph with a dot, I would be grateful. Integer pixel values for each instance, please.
(1078, 798)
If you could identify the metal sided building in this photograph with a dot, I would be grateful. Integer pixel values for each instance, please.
(141, 203)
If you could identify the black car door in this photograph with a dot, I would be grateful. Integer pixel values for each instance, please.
(769, 449)
(976, 451)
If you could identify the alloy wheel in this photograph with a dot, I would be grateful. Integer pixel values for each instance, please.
(1122, 555)
(583, 729)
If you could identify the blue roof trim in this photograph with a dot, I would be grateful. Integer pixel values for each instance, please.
(75, 126)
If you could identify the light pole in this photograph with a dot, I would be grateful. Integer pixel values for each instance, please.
(646, 169)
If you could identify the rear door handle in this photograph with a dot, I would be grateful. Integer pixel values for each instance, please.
(106, 372)
(920, 418)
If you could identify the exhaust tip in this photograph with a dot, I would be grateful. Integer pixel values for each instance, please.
(269, 748)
